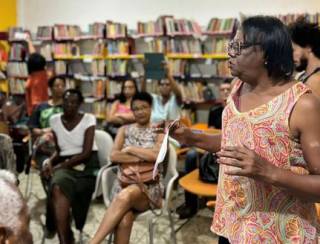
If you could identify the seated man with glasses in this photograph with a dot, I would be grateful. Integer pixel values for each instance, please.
(166, 106)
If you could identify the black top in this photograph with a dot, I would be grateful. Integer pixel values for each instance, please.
(303, 77)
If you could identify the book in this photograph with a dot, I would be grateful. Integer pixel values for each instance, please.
(154, 66)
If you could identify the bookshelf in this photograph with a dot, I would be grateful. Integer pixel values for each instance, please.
(16, 68)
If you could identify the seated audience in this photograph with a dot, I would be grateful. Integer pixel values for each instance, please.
(215, 115)
(72, 168)
(135, 151)
(120, 112)
(14, 216)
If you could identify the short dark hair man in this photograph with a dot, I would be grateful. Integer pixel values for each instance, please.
(306, 52)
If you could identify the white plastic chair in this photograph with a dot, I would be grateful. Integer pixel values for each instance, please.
(109, 175)
(104, 143)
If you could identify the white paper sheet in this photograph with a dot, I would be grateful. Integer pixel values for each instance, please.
(163, 150)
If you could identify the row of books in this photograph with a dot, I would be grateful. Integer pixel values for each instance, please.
(290, 18)
(118, 47)
(151, 28)
(66, 49)
(16, 86)
(217, 26)
(18, 52)
(116, 30)
(122, 47)
(213, 68)
(17, 69)
(66, 32)
(184, 46)
(164, 25)
(150, 45)
(192, 91)
(97, 30)
(216, 44)
(182, 27)
(116, 68)
(44, 32)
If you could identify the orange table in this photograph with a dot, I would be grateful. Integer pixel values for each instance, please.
(193, 184)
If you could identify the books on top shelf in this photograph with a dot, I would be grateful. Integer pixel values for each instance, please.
(181, 27)
(222, 26)
(97, 30)
(44, 33)
(17, 34)
(66, 32)
(115, 30)
(151, 28)
(17, 70)
(290, 18)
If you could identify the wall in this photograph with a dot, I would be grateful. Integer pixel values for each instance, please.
(33, 13)
(8, 13)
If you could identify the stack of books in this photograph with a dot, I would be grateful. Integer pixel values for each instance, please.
(116, 30)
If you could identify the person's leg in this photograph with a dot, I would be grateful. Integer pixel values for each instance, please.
(123, 230)
(129, 198)
(61, 208)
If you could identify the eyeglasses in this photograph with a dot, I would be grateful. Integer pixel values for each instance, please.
(234, 48)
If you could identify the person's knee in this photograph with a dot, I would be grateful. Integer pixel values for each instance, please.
(56, 191)
(123, 197)
(126, 221)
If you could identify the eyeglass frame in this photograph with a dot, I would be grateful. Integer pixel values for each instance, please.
(241, 46)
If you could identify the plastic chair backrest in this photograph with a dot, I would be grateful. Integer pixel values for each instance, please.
(104, 143)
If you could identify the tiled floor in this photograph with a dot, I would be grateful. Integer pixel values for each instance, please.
(193, 231)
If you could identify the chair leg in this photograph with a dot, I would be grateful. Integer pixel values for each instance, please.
(173, 232)
(150, 230)
(80, 237)
(110, 238)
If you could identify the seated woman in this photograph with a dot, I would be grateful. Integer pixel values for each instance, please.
(40, 117)
(73, 166)
(135, 151)
(120, 112)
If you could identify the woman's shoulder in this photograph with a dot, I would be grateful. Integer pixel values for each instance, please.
(55, 117)
(55, 120)
(88, 119)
